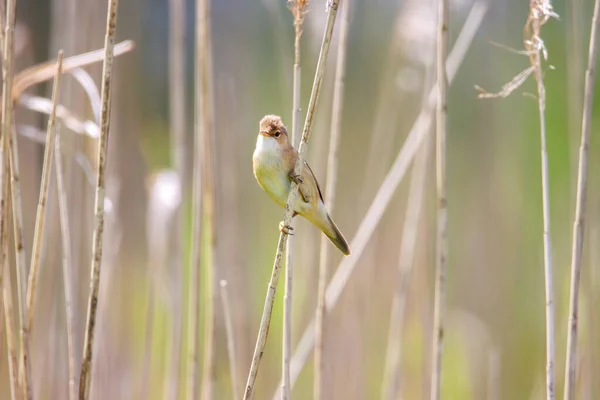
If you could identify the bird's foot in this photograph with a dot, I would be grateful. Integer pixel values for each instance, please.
(296, 178)
(285, 228)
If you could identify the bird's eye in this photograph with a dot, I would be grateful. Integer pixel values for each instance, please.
(277, 133)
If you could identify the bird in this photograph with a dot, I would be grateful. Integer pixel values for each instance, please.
(273, 162)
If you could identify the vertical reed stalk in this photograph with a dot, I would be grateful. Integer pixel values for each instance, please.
(442, 245)
(229, 332)
(177, 118)
(11, 340)
(38, 234)
(204, 68)
(109, 42)
(67, 267)
(270, 298)
(298, 8)
(578, 225)
(330, 186)
(539, 13)
(203, 206)
(387, 189)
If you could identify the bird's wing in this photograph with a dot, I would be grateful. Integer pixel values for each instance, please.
(306, 188)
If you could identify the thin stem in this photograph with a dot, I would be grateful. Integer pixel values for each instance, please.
(298, 12)
(204, 67)
(387, 189)
(578, 225)
(38, 234)
(177, 109)
(534, 46)
(330, 186)
(230, 334)
(11, 340)
(442, 245)
(109, 42)
(67, 267)
(270, 298)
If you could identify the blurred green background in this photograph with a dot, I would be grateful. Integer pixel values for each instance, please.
(495, 336)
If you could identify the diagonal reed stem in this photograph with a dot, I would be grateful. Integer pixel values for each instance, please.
(312, 105)
(109, 42)
(578, 225)
(38, 234)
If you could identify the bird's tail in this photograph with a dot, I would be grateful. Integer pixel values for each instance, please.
(330, 229)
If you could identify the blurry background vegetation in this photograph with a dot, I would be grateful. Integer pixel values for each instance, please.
(495, 319)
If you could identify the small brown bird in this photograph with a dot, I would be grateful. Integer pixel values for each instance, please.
(274, 160)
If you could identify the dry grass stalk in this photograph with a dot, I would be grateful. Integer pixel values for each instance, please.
(207, 129)
(539, 13)
(6, 283)
(330, 186)
(578, 225)
(387, 189)
(9, 135)
(230, 333)
(391, 377)
(177, 119)
(442, 213)
(67, 268)
(109, 42)
(40, 219)
(312, 105)
(299, 9)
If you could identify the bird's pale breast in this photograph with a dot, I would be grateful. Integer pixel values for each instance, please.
(269, 171)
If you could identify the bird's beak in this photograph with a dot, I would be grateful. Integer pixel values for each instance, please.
(264, 133)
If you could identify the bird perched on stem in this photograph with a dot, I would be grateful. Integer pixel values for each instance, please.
(274, 161)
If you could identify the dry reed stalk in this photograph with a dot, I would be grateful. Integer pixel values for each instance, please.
(109, 42)
(299, 9)
(209, 234)
(270, 297)
(9, 136)
(539, 13)
(578, 225)
(38, 234)
(67, 268)
(387, 189)
(177, 119)
(330, 186)
(391, 377)
(442, 212)
(11, 340)
(230, 334)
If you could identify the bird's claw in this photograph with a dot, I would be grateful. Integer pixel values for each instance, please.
(296, 178)
(285, 228)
